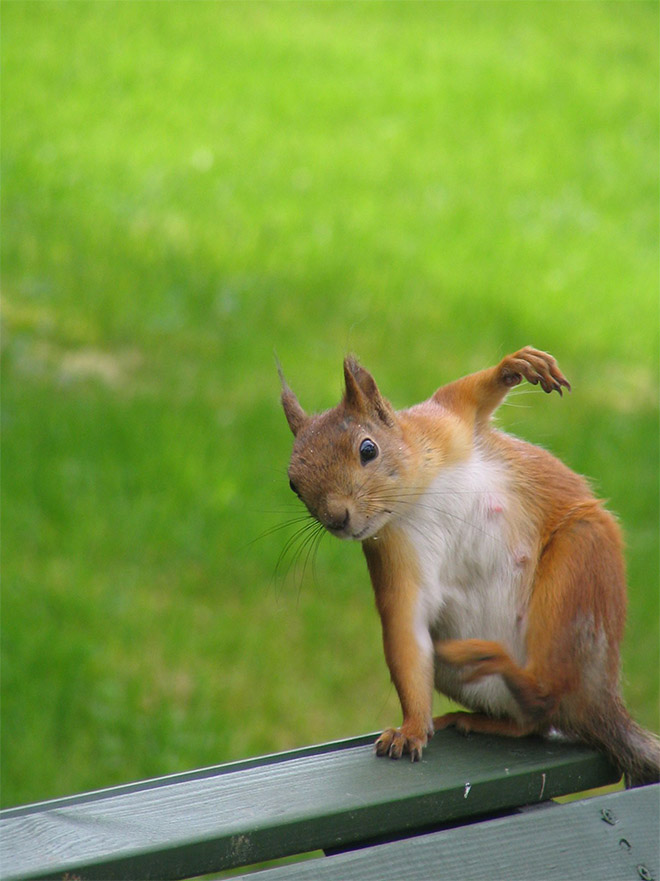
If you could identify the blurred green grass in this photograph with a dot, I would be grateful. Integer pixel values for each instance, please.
(189, 186)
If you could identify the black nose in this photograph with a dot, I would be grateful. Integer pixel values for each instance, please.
(338, 522)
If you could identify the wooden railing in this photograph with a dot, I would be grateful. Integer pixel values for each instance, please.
(474, 807)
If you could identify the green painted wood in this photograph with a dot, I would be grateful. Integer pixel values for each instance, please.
(609, 838)
(320, 798)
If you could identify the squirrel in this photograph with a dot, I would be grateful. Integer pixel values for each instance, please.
(498, 575)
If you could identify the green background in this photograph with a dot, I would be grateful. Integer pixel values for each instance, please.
(188, 187)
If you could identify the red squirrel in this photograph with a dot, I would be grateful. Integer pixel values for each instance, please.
(498, 576)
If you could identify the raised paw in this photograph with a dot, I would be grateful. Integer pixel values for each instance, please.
(394, 742)
(536, 367)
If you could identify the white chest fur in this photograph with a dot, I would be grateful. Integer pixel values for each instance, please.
(474, 572)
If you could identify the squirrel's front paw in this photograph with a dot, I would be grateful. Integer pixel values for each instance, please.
(396, 741)
(534, 366)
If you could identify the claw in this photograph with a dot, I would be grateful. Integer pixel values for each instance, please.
(394, 743)
(537, 367)
(381, 748)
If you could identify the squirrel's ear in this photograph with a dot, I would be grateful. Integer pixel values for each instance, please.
(353, 394)
(295, 415)
(362, 392)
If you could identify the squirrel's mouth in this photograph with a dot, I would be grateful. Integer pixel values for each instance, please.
(371, 528)
(347, 532)
(356, 528)
(364, 533)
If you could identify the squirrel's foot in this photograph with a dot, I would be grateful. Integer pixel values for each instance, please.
(534, 366)
(479, 722)
(461, 721)
(408, 739)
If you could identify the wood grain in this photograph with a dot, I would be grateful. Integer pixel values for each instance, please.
(570, 842)
(331, 796)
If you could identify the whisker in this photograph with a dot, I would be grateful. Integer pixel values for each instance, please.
(278, 527)
(310, 547)
(298, 537)
(416, 502)
(425, 489)
(299, 550)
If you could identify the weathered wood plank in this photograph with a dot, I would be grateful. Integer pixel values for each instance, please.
(292, 803)
(572, 842)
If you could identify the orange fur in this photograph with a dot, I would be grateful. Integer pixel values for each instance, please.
(395, 583)
(555, 552)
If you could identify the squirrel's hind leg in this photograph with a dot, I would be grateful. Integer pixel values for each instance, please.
(575, 622)
(467, 722)
(481, 658)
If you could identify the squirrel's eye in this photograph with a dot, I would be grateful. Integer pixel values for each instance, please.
(368, 451)
(294, 488)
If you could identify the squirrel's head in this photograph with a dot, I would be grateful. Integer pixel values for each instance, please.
(346, 462)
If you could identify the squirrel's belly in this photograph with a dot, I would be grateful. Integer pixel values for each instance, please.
(490, 695)
(487, 612)
(475, 578)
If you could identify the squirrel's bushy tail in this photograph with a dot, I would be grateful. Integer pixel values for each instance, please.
(630, 748)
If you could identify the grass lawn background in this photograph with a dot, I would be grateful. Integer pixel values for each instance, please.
(187, 187)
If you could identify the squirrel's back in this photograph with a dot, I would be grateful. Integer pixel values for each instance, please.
(497, 573)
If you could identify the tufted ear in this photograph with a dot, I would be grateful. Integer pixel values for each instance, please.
(295, 415)
(362, 393)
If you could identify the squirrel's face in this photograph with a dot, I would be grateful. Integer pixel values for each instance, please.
(346, 462)
(345, 469)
